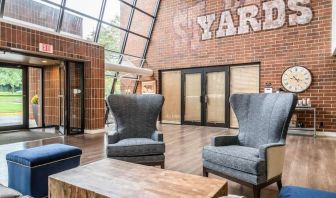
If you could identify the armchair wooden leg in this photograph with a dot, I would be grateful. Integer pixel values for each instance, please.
(256, 192)
(279, 183)
(205, 172)
(162, 165)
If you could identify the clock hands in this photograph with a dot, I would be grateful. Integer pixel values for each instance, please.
(297, 79)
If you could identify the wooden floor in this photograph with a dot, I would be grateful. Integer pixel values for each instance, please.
(309, 163)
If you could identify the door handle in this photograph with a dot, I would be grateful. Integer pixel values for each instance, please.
(205, 99)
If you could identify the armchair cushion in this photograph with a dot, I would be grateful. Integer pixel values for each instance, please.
(245, 159)
(157, 136)
(225, 140)
(112, 137)
(135, 147)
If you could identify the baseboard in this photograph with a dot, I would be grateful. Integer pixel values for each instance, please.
(94, 131)
(326, 134)
(310, 133)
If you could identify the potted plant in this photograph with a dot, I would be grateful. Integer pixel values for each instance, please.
(35, 107)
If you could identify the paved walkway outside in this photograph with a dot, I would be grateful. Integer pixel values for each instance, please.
(10, 120)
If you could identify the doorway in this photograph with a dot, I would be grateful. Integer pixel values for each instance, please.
(200, 96)
(42, 96)
(205, 98)
(13, 108)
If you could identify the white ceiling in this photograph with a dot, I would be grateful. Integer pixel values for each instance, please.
(9, 57)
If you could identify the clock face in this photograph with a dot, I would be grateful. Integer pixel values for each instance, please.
(296, 79)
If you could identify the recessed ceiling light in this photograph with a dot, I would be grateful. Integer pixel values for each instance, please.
(44, 61)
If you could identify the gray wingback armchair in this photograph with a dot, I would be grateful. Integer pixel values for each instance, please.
(255, 156)
(135, 138)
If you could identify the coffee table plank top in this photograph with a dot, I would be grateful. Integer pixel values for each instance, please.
(113, 178)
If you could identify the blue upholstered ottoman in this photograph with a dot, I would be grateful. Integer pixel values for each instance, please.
(299, 192)
(28, 170)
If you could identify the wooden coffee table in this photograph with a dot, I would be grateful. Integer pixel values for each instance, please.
(113, 178)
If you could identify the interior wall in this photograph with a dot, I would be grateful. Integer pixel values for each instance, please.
(177, 43)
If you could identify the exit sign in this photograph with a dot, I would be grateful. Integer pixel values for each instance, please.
(46, 48)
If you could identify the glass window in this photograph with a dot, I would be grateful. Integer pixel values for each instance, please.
(131, 61)
(56, 1)
(148, 6)
(117, 13)
(124, 86)
(32, 12)
(141, 23)
(91, 8)
(135, 45)
(130, 1)
(78, 25)
(111, 37)
(112, 57)
(109, 76)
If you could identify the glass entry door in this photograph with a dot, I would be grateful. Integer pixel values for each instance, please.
(13, 108)
(205, 94)
(72, 98)
(192, 92)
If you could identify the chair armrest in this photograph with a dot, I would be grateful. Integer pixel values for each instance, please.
(274, 155)
(225, 140)
(112, 137)
(264, 148)
(157, 136)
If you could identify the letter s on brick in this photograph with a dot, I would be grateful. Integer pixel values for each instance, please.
(304, 14)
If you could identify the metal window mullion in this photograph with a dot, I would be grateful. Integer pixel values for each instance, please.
(151, 30)
(138, 9)
(128, 29)
(101, 15)
(124, 29)
(2, 9)
(115, 52)
(60, 17)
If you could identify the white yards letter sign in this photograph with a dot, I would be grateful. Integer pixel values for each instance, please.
(248, 21)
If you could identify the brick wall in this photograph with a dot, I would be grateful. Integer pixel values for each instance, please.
(27, 39)
(176, 43)
(51, 93)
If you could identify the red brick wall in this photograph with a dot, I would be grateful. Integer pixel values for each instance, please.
(27, 39)
(176, 43)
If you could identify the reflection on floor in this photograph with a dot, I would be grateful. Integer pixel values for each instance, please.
(10, 137)
(309, 162)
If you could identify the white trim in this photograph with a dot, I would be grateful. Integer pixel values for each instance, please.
(94, 131)
(31, 167)
(48, 31)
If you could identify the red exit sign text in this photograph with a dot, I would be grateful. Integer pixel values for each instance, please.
(45, 48)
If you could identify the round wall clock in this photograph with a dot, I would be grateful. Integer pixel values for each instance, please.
(296, 79)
